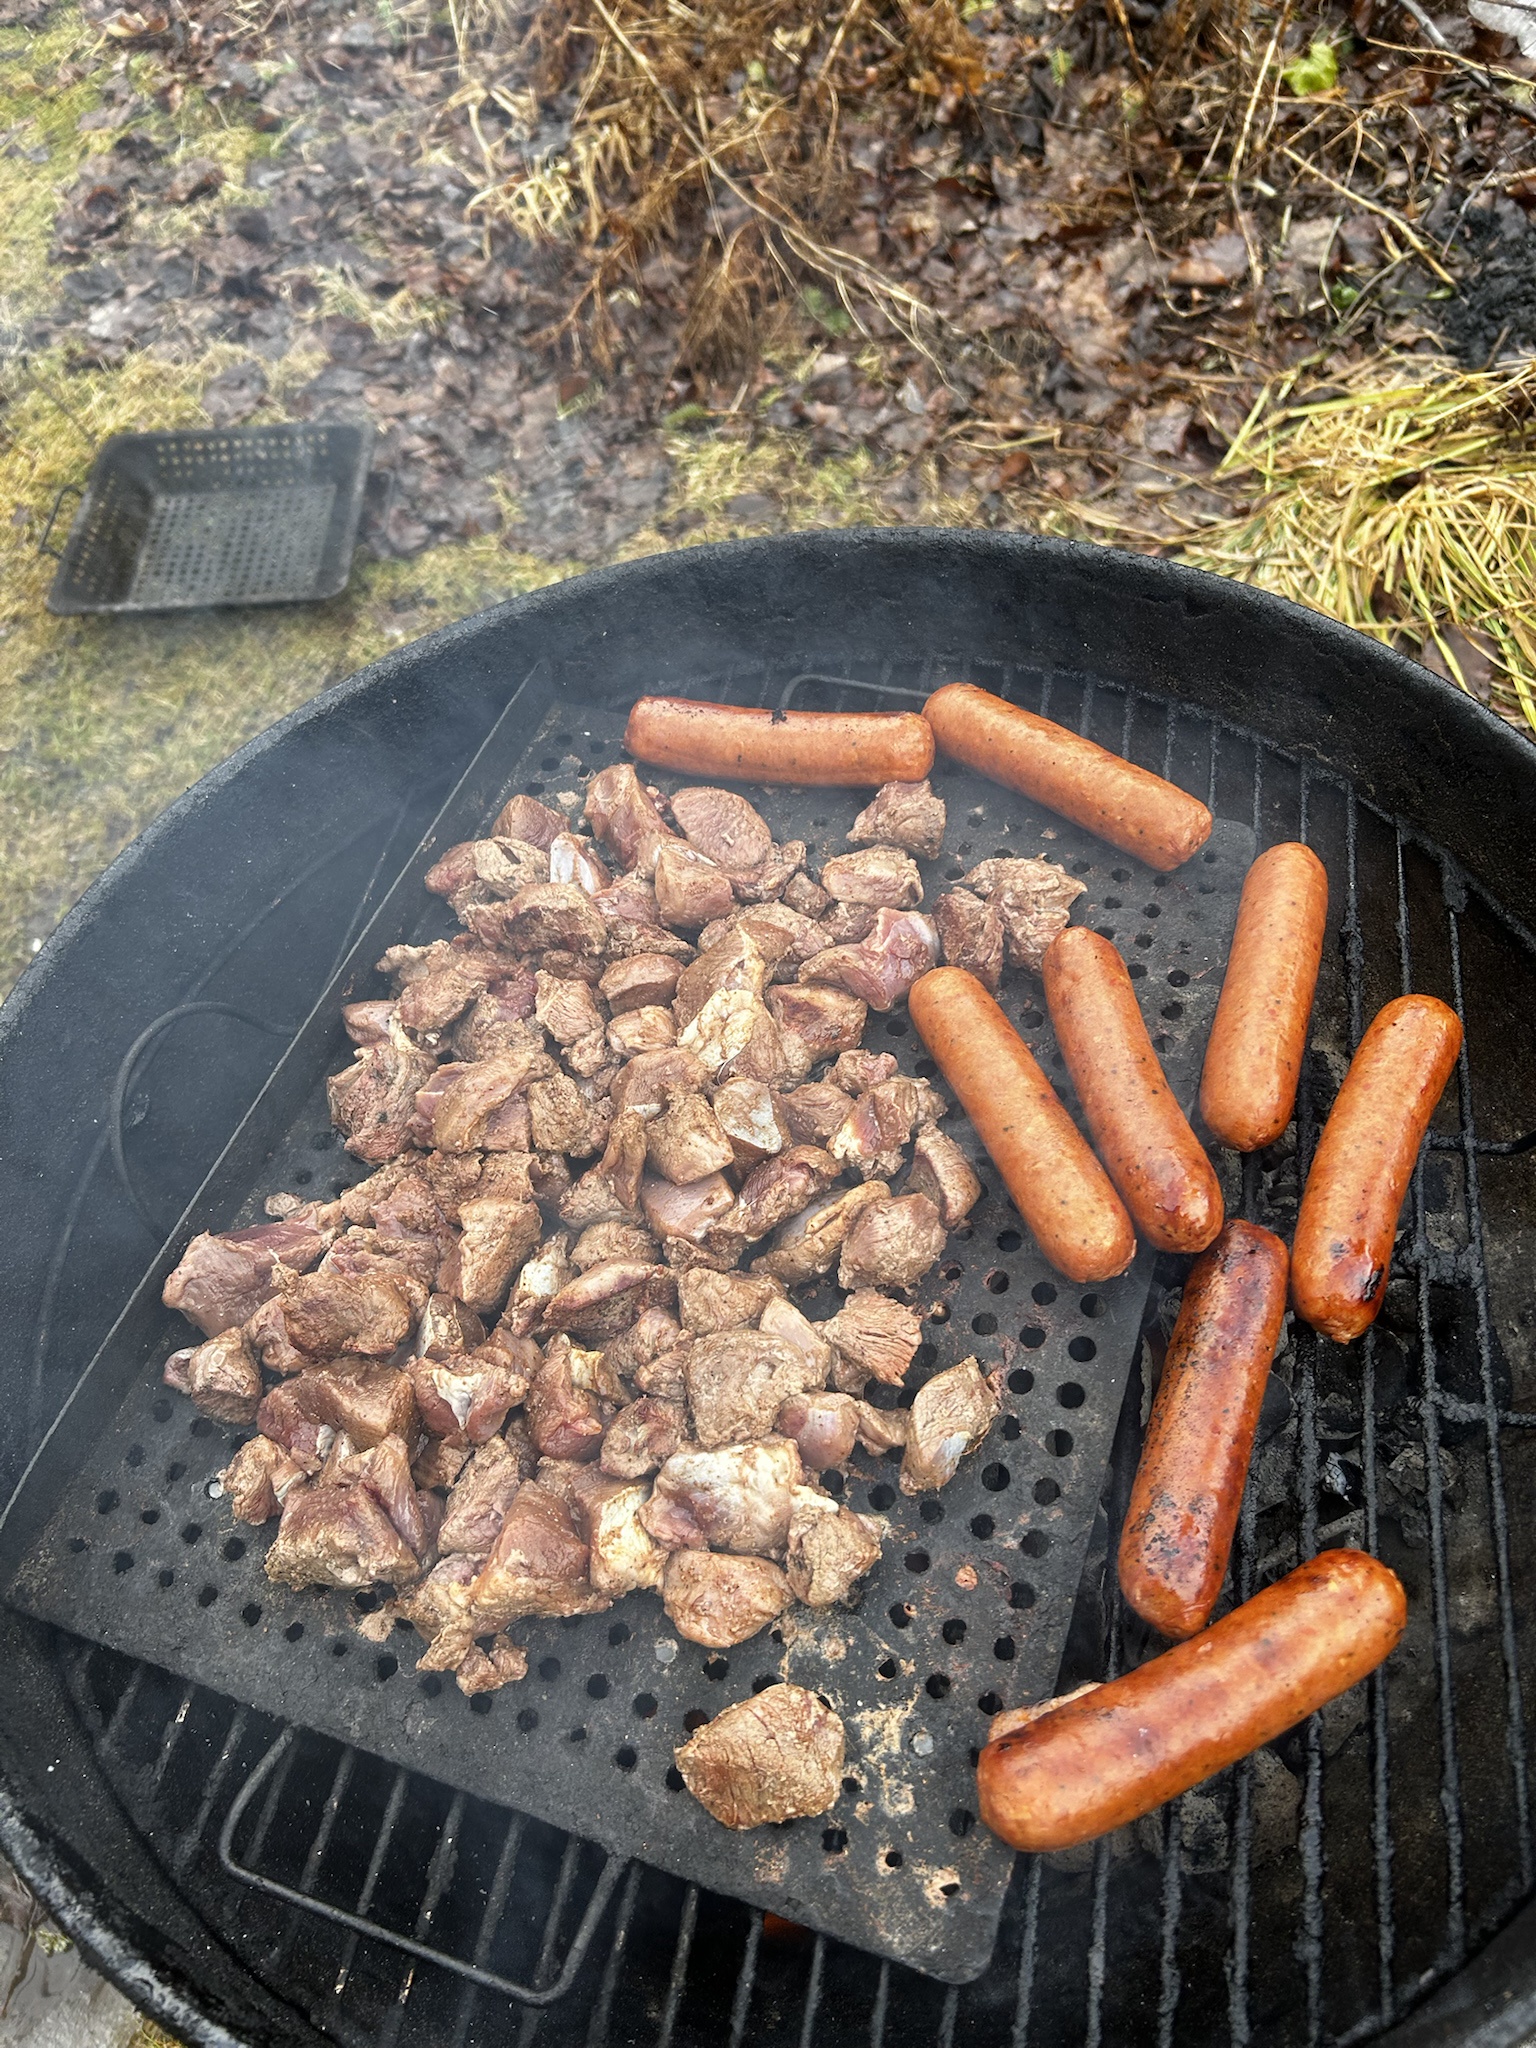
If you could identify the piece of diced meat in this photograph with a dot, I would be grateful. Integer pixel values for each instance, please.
(734, 1034)
(780, 1318)
(624, 817)
(856, 1071)
(830, 1550)
(903, 945)
(447, 1329)
(613, 1239)
(411, 1210)
(738, 1380)
(543, 916)
(626, 937)
(875, 1337)
(483, 870)
(427, 1007)
(524, 817)
(872, 1137)
(604, 1301)
(688, 1211)
(893, 1243)
(738, 1498)
(650, 1030)
(721, 1601)
(500, 1663)
(815, 1023)
(222, 1280)
(468, 1400)
(950, 1414)
(806, 896)
(823, 1427)
(665, 1374)
(478, 1503)
(941, 1171)
(642, 982)
(367, 1405)
(408, 1261)
(814, 1111)
(498, 1236)
(564, 1420)
(808, 1244)
(385, 1470)
(267, 1339)
(629, 905)
(736, 963)
(781, 1188)
(338, 1536)
(223, 1379)
(437, 1606)
(538, 1564)
(624, 1554)
(438, 1463)
(650, 1081)
(562, 1117)
(748, 1113)
(642, 1436)
(903, 814)
(971, 932)
(708, 1302)
(331, 1312)
(656, 1330)
(771, 877)
(608, 1194)
(462, 1112)
(880, 875)
(356, 1203)
(776, 1756)
(845, 924)
(1034, 898)
(499, 1021)
(373, 1101)
(574, 860)
(568, 1010)
(686, 1142)
(286, 1419)
(882, 1429)
(724, 826)
(782, 936)
(368, 1023)
(691, 891)
(258, 1479)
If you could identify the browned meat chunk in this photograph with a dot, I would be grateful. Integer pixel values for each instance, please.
(689, 1211)
(222, 1378)
(258, 1479)
(438, 1463)
(356, 1203)
(437, 1607)
(526, 818)
(780, 1318)
(605, 1300)
(845, 924)
(573, 859)
(941, 1171)
(822, 1427)
(735, 1034)
(856, 1071)
(686, 1142)
(814, 1111)
(708, 1302)
(287, 1420)
(737, 1499)
(447, 1329)
(875, 1337)
(809, 1243)
(650, 1081)
(608, 1195)
(664, 1375)
(564, 1419)
(368, 1023)
(365, 1313)
(545, 915)
(500, 1021)
(625, 819)
(806, 896)
(649, 1030)
(568, 1010)
(782, 936)
(881, 875)
(222, 1281)
(427, 1007)
(537, 1284)
(372, 1102)
(266, 1335)
(338, 1536)
(642, 1437)
(882, 1429)
(500, 1663)
(738, 1380)
(873, 1135)
(624, 1555)
(463, 1112)
(1034, 900)
(654, 1332)
(891, 1244)
(748, 1113)
(615, 1239)
(478, 1504)
(724, 826)
(881, 968)
(538, 1564)
(641, 982)
(775, 1756)
(830, 1549)
(385, 1471)
(498, 1236)
(562, 1117)
(721, 1601)
(627, 937)
(468, 1400)
(411, 1262)
(904, 814)
(815, 1023)
(735, 963)
(949, 1416)
(771, 877)
(780, 1188)
(366, 1406)
(690, 890)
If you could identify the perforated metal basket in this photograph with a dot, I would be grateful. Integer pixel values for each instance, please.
(170, 522)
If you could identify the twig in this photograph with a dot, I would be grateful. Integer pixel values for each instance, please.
(1234, 169)
(1117, 7)
(1371, 206)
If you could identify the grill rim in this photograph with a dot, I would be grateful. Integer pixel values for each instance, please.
(1442, 729)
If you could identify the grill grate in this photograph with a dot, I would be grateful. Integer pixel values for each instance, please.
(1316, 1892)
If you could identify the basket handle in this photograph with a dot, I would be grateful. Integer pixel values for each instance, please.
(42, 545)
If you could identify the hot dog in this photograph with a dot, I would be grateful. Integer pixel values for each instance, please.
(1058, 1186)
(1364, 1159)
(1253, 1060)
(1141, 1134)
(849, 749)
(1189, 1483)
(1129, 806)
(1115, 1753)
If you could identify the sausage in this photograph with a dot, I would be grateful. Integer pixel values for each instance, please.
(1110, 1755)
(848, 749)
(1057, 1185)
(1363, 1163)
(1189, 1483)
(1253, 1060)
(1129, 806)
(1139, 1130)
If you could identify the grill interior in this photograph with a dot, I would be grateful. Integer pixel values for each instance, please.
(1314, 1892)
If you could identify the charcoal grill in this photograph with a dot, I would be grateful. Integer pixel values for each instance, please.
(1331, 1888)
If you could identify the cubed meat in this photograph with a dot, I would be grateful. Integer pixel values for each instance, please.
(650, 1030)
(806, 896)
(893, 1243)
(691, 891)
(1034, 898)
(808, 1244)
(626, 937)
(721, 1601)
(771, 877)
(875, 1337)
(903, 945)
(845, 924)
(524, 817)
(780, 1318)
(427, 1007)
(385, 1470)
(267, 1339)
(411, 1210)
(629, 905)
(461, 1114)
(258, 1479)
(941, 1171)
(437, 1607)
(563, 1119)
(815, 1023)
(369, 1314)
(883, 1429)
(642, 1436)
(538, 1283)
(971, 933)
(544, 916)
(830, 1549)
(367, 1405)
(708, 1302)
(608, 1194)
(500, 1662)
(656, 1330)
(409, 1261)
(498, 1236)
(748, 1113)
(625, 818)
(641, 982)
(686, 1142)
(823, 1427)
(574, 860)
(781, 1188)
(478, 1503)
(286, 1419)
(564, 1420)
(624, 1556)
(856, 1071)
(468, 1400)
(665, 1374)
(950, 1415)
(447, 1329)
(356, 1203)
(538, 1564)
(688, 1211)
(650, 1081)
(738, 1380)
(603, 1302)
(736, 963)
(438, 1463)
(737, 1499)
(373, 1101)
(903, 814)
(872, 1137)
(782, 936)
(222, 1280)
(880, 875)
(220, 1376)
(814, 1111)
(338, 1536)
(776, 1756)
(615, 1239)
(499, 1021)
(368, 1023)
(724, 826)
(568, 1010)
(734, 1034)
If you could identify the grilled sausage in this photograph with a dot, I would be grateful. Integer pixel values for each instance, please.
(1058, 1186)
(1253, 1060)
(1141, 1134)
(1129, 806)
(1364, 1159)
(849, 749)
(1110, 1755)
(1189, 1483)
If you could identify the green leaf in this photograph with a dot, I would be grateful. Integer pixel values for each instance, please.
(825, 310)
(1317, 72)
(690, 415)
